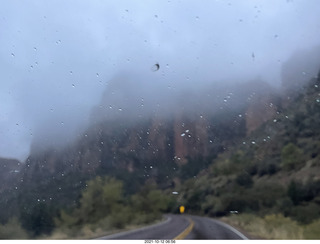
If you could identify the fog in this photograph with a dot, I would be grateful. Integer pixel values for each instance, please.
(58, 58)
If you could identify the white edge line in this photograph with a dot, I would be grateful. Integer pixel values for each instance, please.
(133, 231)
(231, 229)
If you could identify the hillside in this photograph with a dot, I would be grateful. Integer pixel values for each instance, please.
(164, 149)
(273, 171)
(253, 151)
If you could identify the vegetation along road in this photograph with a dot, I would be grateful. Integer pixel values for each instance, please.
(177, 227)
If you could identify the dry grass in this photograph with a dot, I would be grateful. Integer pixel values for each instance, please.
(91, 232)
(274, 227)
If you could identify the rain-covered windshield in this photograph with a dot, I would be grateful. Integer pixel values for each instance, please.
(116, 115)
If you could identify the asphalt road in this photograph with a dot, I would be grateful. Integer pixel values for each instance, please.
(186, 227)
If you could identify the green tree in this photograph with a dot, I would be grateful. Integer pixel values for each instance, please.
(150, 203)
(291, 157)
(38, 219)
(295, 192)
(101, 197)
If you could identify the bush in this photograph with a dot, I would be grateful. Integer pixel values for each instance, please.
(311, 231)
(267, 168)
(267, 194)
(295, 192)
(291, 157)
(244, 179)
(299, 192)
(37, 220)
(12, 230)
(305, 214)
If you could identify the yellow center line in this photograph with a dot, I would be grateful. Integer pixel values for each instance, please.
(184, 233)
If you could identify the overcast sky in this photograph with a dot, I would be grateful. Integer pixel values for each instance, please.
(56, 57)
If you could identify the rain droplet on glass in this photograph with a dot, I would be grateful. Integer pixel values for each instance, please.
(155, 67)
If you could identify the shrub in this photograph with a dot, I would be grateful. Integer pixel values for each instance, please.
(305, 214)
(311, 231)
(267, 168)
(291, 157)
(12, 230)
(244, 179)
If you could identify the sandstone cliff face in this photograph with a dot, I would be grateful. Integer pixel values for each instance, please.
(260, 110)
(9, 169)
(190, 138)
(152, 143)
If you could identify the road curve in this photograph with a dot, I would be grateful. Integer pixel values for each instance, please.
(210, 229)
(187, 227)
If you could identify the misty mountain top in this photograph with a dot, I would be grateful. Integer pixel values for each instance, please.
(57, 59)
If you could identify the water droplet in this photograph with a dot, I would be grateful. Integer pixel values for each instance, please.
(155, 67)
(240, 115)
(150, 167)
(253, 142)
(71, 73)
(183, 134)
(97, 74)
(12, 54)
(316, 86)
(62, 123)
(73, 85)
(156, 16)
(120, 109)
(318, 100)
(187, 131)
(274, 120)
(35, 49)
